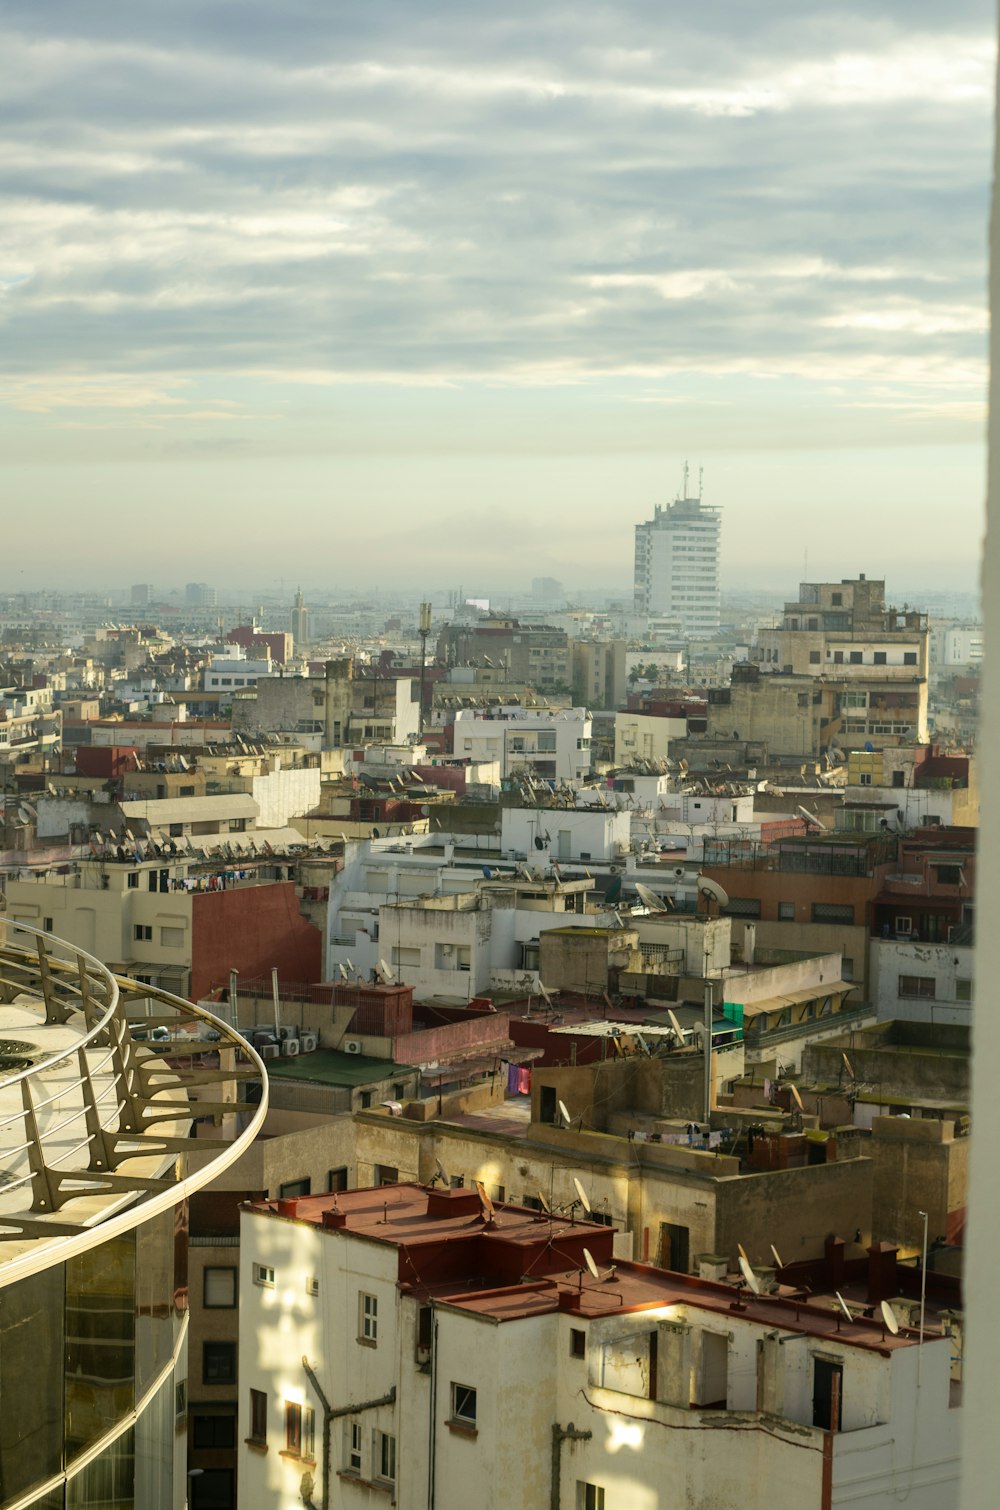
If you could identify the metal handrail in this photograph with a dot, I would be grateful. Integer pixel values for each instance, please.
(126, 1100)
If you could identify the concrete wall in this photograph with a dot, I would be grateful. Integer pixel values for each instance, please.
(919, 1165)
(942, 964)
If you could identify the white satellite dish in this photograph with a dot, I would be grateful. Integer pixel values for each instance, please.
(843, 1306)
(889, 1317)
(543, 1203)
(343, 971)
(485, 1204)
(546, 994)
(752, 1282)
(712, 891)
(564, 1113)
(675, 1025)
(582, 1195)
(848, 1066)
(777, 1257)
(384, 973)
(440, 1173)
(652, 901)
(588, 1259)
(796, 1097)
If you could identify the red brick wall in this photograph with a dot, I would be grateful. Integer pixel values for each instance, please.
(251, 929)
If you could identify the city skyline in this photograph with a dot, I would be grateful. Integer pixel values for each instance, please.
(431, 270)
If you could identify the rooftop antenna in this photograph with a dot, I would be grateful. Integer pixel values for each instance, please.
(889, 1319)
(592, 1268)
(440, 1174)
(543, 1202)
(384, 973)
(701, 474)
(712, 891)
(582, 1196)
(750, 1278)
(485, 1204)
(653, 902)
(343, 971)
(843, 1309)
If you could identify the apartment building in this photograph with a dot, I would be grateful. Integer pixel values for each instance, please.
(677, 567)
(411, 1342)
(549, 745)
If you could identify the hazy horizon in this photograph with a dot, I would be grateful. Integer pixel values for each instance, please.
(400, 296)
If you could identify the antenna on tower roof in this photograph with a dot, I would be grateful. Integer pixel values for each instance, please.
(701, 474)
(685, 492)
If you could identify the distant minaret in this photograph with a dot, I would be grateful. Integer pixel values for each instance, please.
(300, 621)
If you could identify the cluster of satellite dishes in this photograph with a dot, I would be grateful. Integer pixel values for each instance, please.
(890, 1321)
(347, 971)
(710, 891)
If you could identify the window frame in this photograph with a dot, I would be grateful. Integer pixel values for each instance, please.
(464, 1405)
(220, 1305)
(257, 1424)
(218, 1350)
(263, 1275)
(368, 1318)
(383, 1454)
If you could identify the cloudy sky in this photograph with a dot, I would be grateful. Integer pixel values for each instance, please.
(433, 294)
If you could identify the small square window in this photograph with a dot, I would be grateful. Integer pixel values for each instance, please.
(909, 657)
(142, 933)
(218, 1363)
(214, 1432)
(856, 657)
(577, 1343)
(336, 1179)
(263, 1274)
(463, 1404)
(312, 1285)
(220, 1288)
(786, 912)
(292, 1189)
(963, 990)
(258, 1416)
(879, 658)
(133, 879)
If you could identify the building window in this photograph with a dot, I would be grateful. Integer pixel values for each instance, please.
(833, 912)
(836, 599)
(175, 830)
(366, 1100)
(865, 778)
(463, 1404)
(386, 1174)
(742, 907)
(263, 1274)
(963, 990)
(297, 1429)
(292, 1189)
(142, 933)
(909, 657)
(814, 657)
(219, 1292)
(577, 1343)
(786, 912)
(212, 1489)
(336, 1179)
(589, 1496)
(367, 1318)
(917, 986)
(457, 1181)
(218, 1363)
(133, 879)
(172, 938)
(947, 875)
(384, 1456)
(211, 1432)
(879, 658)
(312, 1285)
(354, 1447)
(258, 1416)
(856, 657)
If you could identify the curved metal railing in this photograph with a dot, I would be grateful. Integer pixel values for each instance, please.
(95, 1115)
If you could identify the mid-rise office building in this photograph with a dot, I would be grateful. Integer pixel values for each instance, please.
(677, 566)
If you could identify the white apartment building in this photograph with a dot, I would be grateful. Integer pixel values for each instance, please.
(414, 1346)
(677, 566)
(550, 745)
(227, 672)
(921, 982)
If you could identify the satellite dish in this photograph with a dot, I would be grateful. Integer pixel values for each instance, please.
(796, 1097)
(847, 1066)
(486, 1205)
(343, 971)
(543, 1203)
(843, 1306)
(546, 994)
(588, 1259)
(582, 1194)
(384, 973)
(564, 1113)
(742, 1252)
(889, 1317)
(752, 1282)
(440, 1173)
(712, 891)
(777, 1257)
(652, 901)
(675, 1025)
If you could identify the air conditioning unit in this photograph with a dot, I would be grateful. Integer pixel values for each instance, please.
(290, 1047)
(270, 1051)
(287, 1032)
(352, 1046)
(309, 1043)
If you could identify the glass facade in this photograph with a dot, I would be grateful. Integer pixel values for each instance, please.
(80, 1345)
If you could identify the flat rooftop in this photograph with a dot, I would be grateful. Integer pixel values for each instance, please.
(513, 1263)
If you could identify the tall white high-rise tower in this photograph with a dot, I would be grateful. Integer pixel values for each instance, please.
(677, 565)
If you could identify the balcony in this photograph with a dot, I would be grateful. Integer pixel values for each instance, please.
(94, 1118)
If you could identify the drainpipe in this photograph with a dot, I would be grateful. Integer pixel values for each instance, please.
(330, 1415)
(561, 1434)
